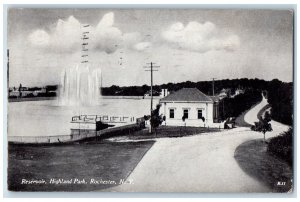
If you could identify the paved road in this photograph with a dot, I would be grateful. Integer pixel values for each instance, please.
(201, 163)
(251, 117)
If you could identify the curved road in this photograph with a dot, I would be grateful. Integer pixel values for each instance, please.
(201, 163)
(251, 117)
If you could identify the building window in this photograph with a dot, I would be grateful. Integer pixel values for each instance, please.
(186, 113)
(199, 113)
(171, 113)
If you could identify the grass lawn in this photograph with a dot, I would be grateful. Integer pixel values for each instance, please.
(94, 158)
(253, 158)
(167, 131)
(100, 160)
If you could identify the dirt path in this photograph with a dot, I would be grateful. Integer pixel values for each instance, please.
(203, 163)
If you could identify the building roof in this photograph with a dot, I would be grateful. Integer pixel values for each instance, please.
(187, 95)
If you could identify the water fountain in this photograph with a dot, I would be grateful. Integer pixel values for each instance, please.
(80, 86)
(79, 95)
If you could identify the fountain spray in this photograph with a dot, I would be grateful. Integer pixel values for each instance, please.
(80, 86)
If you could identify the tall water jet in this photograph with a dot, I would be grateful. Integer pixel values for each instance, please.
(80, 86)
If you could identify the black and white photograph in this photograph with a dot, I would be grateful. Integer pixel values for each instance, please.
(164, 100)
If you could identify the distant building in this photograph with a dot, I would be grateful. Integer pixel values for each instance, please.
(24, 92)
(23, 88)
(37, 92)
(154, 93)
(224, 93)
(239, 91)
(164, 92)
(197, 108)
(14, 93)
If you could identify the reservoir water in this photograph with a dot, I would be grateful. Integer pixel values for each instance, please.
(48, 118)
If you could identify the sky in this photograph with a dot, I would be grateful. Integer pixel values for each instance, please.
(186, 44)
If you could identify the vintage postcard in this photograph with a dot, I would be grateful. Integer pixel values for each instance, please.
(150, 100)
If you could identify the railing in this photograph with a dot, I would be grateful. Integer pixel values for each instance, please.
(102, 118)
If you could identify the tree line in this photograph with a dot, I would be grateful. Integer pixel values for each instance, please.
(280, 97)
(279, 94)
(204, 86)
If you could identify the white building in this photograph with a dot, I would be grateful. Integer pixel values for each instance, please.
(223, 93)
(164, 92)
(239, 91)
(14, 93)
(154, 93)
(37, 92)
(197, 108)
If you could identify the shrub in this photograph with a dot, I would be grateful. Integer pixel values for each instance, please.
(282, 146)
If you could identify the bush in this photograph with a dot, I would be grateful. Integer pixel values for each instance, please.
(282, 146)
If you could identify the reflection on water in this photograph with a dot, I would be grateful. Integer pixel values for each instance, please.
(47, 118)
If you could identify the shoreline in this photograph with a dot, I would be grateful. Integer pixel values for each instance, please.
(26, 99)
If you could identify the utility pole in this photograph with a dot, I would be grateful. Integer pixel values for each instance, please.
(151, 74)
(7, 68)
(213, 86)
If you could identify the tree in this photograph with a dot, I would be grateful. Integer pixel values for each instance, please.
(156, 118)
(264, 125)
(145, 88)
(51, 88)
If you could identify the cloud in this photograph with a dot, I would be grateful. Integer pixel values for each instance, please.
(199, 37)
(135, 42)
(64, 37)
(67, 34)
(39, 38)
(142, 46)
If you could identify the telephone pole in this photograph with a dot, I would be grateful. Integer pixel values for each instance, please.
(7, 68)
(213, 86)
(150, 68)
